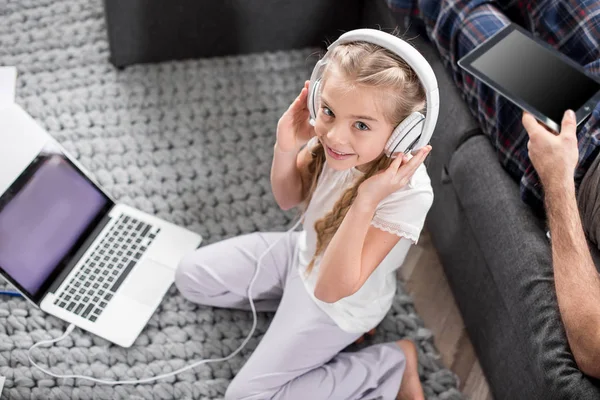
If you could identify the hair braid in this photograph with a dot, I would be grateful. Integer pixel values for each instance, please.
(329, 224)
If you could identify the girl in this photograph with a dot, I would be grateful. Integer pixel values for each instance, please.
(336, 279)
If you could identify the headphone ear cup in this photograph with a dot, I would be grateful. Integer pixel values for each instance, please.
(313, 99)
(406, 134)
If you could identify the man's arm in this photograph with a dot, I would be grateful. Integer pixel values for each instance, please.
(575, 276)
(555, 156)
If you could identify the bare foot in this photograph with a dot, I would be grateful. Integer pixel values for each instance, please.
(410, 387)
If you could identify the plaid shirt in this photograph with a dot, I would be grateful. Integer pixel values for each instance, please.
(457, 26)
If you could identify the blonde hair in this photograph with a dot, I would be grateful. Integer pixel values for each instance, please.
(364, 64)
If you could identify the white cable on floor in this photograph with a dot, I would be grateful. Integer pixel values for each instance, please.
(145, 380)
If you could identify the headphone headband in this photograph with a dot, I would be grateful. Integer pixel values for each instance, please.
(405, 51)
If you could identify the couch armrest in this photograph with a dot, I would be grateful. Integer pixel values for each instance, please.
(518, 257)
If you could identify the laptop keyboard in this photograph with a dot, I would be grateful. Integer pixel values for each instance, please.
(97, 280)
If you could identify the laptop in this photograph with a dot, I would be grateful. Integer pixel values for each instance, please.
(69, 248)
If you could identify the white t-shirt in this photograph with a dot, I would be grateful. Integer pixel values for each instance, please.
(402, 213)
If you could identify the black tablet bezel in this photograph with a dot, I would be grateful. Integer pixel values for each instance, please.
(466, 63)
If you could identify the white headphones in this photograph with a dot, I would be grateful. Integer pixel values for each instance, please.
(415, 130)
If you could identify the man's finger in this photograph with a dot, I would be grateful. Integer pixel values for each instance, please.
(569, 124)
(529, 123)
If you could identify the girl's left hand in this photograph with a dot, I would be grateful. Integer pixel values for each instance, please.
(396, 176)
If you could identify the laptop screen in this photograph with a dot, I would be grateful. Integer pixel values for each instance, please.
(44, 216)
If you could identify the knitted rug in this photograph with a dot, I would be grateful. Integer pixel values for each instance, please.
(189, 141)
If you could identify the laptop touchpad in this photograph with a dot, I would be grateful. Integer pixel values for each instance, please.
(148, 282)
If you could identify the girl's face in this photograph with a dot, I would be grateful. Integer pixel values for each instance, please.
(350, 123)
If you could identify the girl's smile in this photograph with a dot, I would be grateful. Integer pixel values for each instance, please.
(338, 155)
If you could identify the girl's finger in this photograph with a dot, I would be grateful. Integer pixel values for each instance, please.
(303, 95)
(303, 98)
(300, 101)
(304, 92)
(395, 165)
(414, 163)
(418, 151)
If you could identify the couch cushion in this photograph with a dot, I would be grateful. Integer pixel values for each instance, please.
(517, 253)
(495, 337)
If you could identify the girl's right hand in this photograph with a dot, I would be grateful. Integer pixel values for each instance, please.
(293, 128)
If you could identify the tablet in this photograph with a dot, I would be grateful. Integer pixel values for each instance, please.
(534, 76)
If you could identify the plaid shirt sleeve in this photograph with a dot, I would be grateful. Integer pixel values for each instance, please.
(455, 27)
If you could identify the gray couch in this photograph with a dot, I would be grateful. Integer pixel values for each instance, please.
(493, 248)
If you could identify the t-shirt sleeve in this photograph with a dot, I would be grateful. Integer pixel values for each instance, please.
(403, 212)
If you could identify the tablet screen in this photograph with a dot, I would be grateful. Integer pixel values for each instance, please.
(533, 73)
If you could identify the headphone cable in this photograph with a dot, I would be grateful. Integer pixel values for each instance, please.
(145, 380)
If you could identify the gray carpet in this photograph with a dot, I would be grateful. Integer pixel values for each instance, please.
(188, 141)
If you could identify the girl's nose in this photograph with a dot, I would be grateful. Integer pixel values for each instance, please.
(336, 135)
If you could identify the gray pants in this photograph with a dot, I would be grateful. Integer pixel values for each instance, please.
(300, 355)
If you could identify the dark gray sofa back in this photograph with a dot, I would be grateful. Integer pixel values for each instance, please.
(141, 31)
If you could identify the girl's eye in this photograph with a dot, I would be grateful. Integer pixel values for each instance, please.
(327, 112)
(361, 126)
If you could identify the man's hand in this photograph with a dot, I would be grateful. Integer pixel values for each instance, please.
(554, 156)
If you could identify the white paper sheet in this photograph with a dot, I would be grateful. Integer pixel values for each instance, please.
(8, 83)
